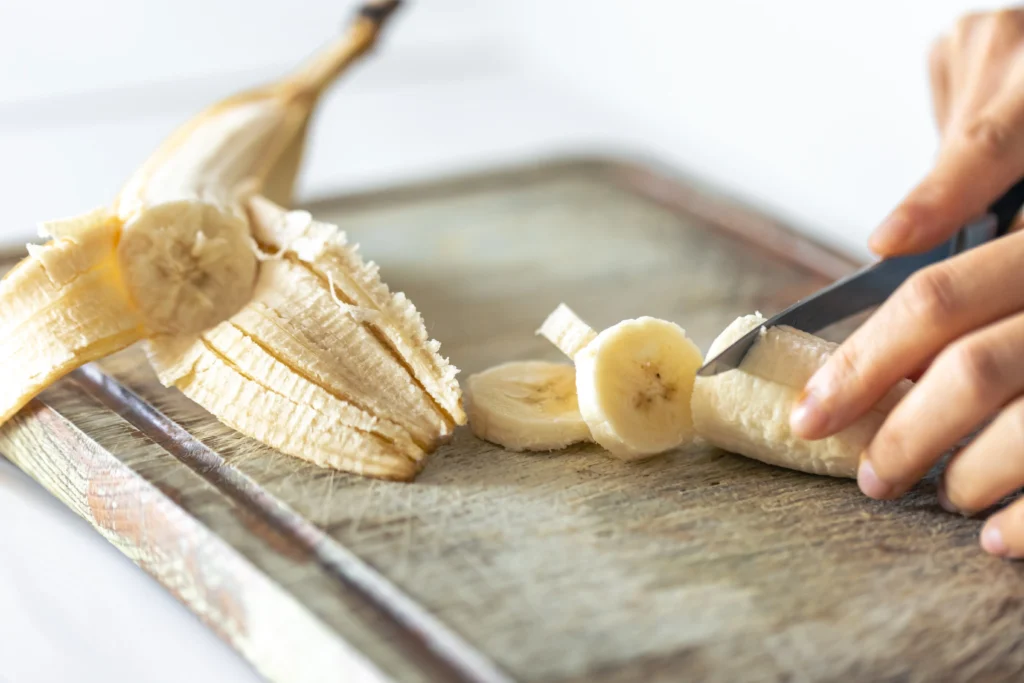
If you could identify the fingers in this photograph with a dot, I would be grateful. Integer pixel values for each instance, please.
(1003, 533)
(932, 309)
(969, 382)
(977, 78)
(976, 166)
(991, 467)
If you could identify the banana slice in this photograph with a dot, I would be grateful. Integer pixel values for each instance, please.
(633, 381)
(746, 411)
(526, 406)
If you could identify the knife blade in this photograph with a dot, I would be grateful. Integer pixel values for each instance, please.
(853, 294)
(873, 284)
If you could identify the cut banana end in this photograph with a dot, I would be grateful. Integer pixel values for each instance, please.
(564, 329)
(633, 381)
(324, 363)
(526, 406)
(746, 410)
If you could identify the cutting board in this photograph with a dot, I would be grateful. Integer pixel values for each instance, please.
(572, 566)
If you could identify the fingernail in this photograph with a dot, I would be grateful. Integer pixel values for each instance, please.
(808, 418)
(869, 482)
(890, 235)
(944, 499)
(992, 540)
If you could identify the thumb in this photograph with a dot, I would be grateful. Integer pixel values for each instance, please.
(973, 169)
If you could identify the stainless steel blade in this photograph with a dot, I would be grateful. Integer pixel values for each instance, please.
(853, 294)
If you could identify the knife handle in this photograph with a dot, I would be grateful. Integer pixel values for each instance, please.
(1006, 208)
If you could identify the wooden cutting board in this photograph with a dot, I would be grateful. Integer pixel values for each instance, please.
(700, 565)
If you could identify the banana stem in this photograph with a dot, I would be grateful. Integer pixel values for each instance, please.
(315, 75)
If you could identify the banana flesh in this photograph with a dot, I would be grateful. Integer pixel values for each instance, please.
(185, 248)
(638, 394)
(565, 330)
(526, 406)
(323, 344)
(746, 411)
(633, 381)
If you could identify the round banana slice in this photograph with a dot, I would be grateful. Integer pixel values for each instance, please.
(633, 381)
(526, 406)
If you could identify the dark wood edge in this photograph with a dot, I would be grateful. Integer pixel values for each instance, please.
(59, 448)
(426, 637)
(648, 178)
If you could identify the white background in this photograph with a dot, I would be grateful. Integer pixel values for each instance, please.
(815, 110)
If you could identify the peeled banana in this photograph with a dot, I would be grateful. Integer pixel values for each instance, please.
(266, 317)
(638, 395)
(746, 410)
(526, 406)
(633, 381)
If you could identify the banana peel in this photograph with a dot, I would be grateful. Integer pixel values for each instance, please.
(251, 310)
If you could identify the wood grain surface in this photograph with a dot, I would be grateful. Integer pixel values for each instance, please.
(699, 565)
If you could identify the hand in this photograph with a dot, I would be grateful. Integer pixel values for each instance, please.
(961, 320)
(977, 80)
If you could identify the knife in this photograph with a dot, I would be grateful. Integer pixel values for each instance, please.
(872, 284)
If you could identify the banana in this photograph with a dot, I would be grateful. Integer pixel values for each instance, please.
(633, 381)
(526, 406)
(344, 365)
(746, 410)
(173, 253)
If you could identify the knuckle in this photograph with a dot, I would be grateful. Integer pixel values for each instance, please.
(929, 296)
(846, 364)
(893, 455)
(976, 369)
(993, 138)
(1007, 21)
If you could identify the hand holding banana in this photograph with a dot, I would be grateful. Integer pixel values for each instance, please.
(961, 321)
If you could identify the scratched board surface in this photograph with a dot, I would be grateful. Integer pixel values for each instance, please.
(699, 565)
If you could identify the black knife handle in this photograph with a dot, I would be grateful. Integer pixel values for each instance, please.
(1006, 208)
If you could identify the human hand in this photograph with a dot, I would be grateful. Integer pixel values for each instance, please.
(977, 81)
(961, 319)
